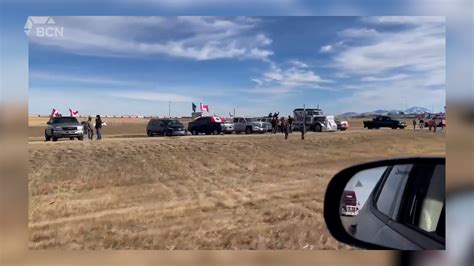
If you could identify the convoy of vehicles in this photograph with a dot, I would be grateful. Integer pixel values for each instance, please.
(384, 121)
(165, 127)
(64, 127)
(313, 119)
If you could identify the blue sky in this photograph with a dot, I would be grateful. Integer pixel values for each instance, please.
(136, 65)
(14, 66)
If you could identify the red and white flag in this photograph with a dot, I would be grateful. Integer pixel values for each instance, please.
(55, 113)
(204, 107)
(73, 112)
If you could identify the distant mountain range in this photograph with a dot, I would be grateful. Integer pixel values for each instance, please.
(412, 110)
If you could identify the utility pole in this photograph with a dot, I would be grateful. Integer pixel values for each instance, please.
(303, 128)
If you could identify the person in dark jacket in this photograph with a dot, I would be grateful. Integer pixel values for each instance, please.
(274, 124)
(90, 128)
(290, 124)
(98, 127)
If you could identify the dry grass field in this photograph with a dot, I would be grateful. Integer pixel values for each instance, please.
(201, 192)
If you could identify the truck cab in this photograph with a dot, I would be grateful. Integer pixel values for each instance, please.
(314, 120)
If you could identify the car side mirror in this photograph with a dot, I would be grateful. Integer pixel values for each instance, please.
(389, 204)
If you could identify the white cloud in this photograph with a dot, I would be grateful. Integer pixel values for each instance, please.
(358, 32)
(414, 20)
(283, 79)
(385, 78)
(299, 64)
(419, 48)
(325, 49)
(392, 65)
(197, 38)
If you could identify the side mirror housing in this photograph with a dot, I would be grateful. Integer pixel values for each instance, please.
(389, 204)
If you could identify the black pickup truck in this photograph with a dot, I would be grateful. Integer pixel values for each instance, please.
(384, 121)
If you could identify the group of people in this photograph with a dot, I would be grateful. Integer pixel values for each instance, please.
(89, 127)
(421, 124)
(284, 125)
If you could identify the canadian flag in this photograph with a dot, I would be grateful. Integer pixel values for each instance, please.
(73, 113)
(204, 107)
(55, 113)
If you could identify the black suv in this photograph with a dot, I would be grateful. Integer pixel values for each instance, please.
(165, 127)
(208, 124)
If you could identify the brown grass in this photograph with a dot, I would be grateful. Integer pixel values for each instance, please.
(206, 192)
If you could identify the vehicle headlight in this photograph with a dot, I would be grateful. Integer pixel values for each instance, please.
(80, 128)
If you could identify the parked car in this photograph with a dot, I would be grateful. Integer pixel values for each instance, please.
(206, 124)
(249, 125)
(165, 127)
(63, 127)
(228, 126)
(342, 125)
(439, 121)
(267, 122)
(384, 121)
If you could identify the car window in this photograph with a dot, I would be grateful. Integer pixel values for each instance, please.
(60, 120)
(433, 203)
(424, 206)
(241, 120)
(389, 199)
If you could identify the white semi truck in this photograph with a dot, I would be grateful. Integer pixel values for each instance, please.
(315, 120)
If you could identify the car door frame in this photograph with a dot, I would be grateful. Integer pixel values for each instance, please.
(411, 233)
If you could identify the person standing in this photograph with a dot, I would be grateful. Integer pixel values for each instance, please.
(274, 121)
(90, 128)
(414, 124)
(98, 127)
(422, 123)
(282, 120)
(290, 124)
(285, 126)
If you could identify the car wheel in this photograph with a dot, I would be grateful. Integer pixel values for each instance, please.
(149, 133)
(248, 130)
(55, 139)
(71, 138)
(163, 133)
(317, 128)
(80, 138)
(46, 137)
(194, 132)
(215, 132)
